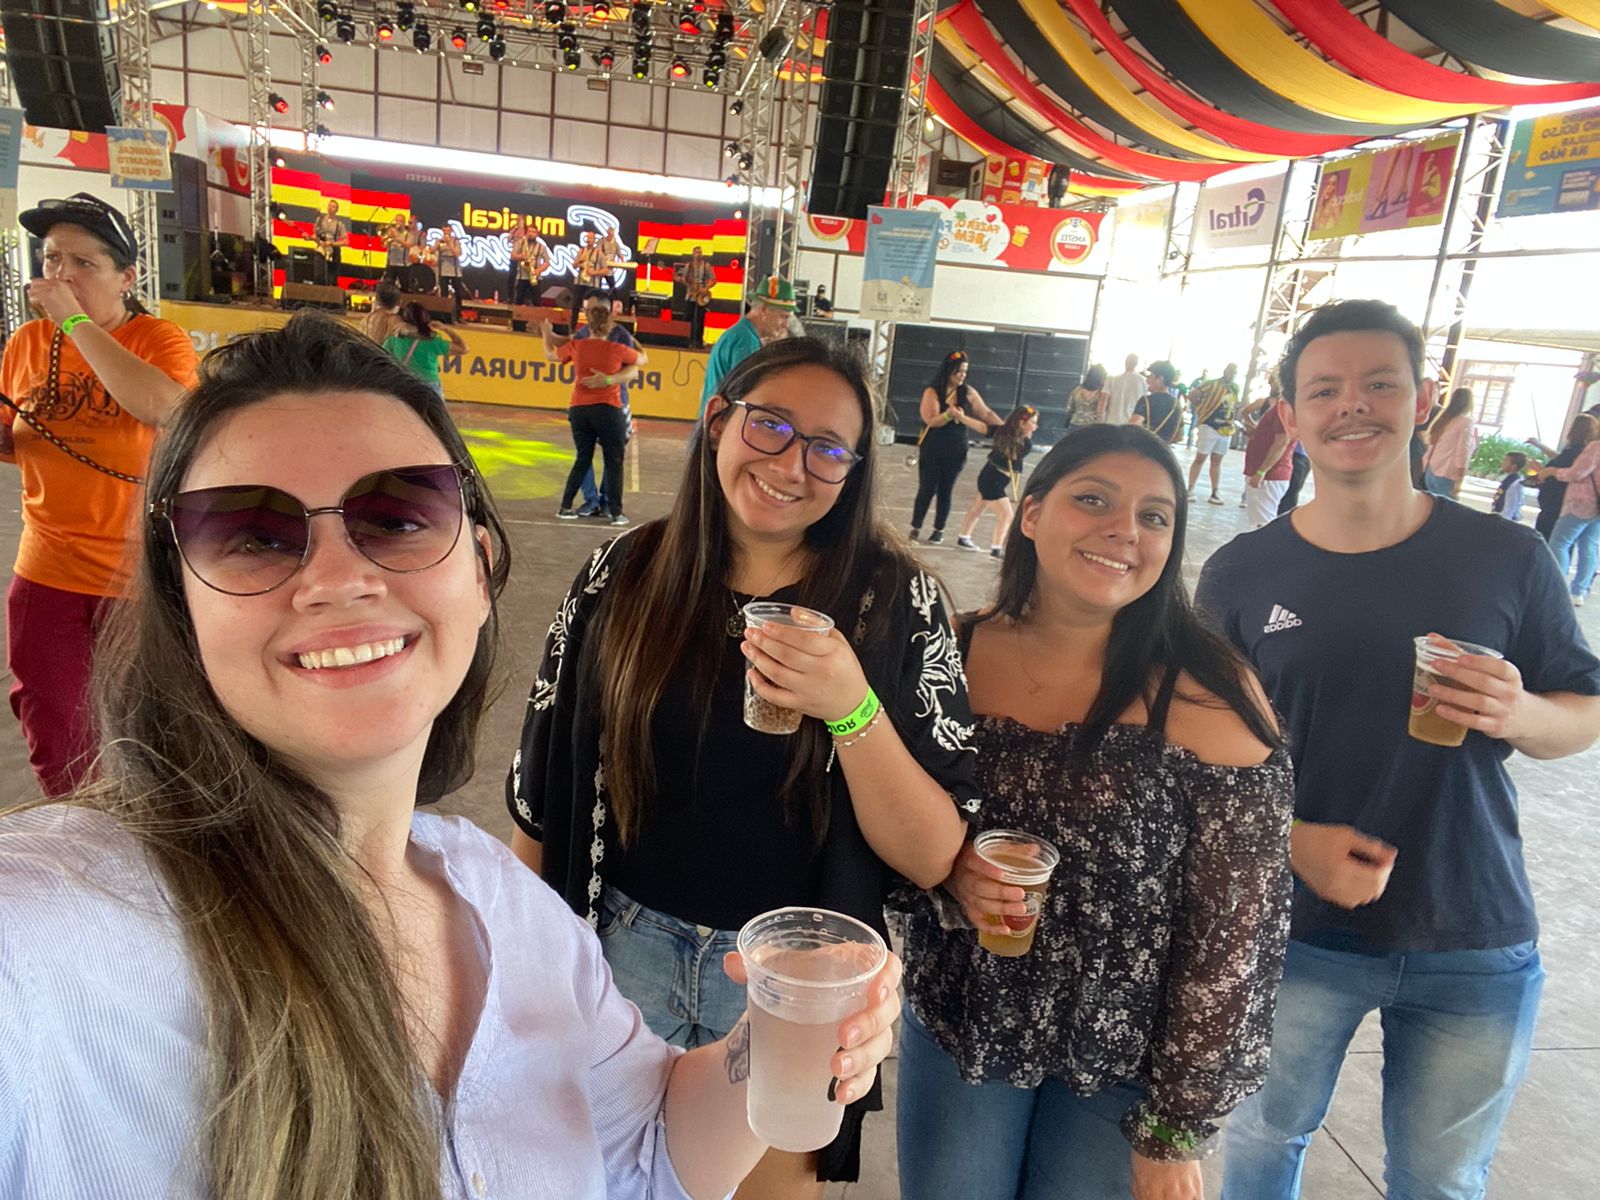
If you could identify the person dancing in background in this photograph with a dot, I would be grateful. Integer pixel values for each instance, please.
(949, 409)
(1000, 480)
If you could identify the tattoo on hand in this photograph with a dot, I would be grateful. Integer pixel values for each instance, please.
(738, 1061)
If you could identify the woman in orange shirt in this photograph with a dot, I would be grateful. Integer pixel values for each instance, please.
(87, 383)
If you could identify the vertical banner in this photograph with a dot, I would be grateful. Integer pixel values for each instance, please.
(138, 159)
(1399, 187)
(10, 160)
(897, 274)
(1554, 165)
(1238, 214)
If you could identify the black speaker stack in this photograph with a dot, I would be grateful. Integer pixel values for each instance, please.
(63, 62)
(183, 249)
(858, 113)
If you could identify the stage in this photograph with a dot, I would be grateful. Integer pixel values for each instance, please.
(499, 367)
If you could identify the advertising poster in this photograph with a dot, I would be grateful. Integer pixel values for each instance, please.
(1238, 214)
(1554, 165)
(10, 161)
(901, 252)
(1405, 186)
(138, 159)
(974, 233)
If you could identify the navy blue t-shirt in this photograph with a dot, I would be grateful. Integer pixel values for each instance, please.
(1331, 637)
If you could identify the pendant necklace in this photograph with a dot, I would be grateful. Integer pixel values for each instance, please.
(735, 625)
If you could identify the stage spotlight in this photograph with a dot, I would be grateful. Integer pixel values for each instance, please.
(679, 68)
(711, 76)
(640, 16)
(470, 5)
(732, 180)
(688, 23)
(746, 161)
(725, 27)
(716, 60)
(555, 12)
(458, 38)
(279, 104)
(736, 108)
(571, 59)
(385, 31)
(405, 15)
(327, 11)
(497, 48)
(738, 214)
(486, 30)
(699, 6)
(323, 131)
(641, 65)
(732, 149)
(502, 5)
(325, 101)
(279, 163)
(605, 60)
(345, 28)
(324, 55)
(601, 9)
(422, 37)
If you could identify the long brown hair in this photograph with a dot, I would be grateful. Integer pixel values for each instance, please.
(1581, 432)
(313, 1080)
(1460, 406)
(670, 601)
(1009, 437)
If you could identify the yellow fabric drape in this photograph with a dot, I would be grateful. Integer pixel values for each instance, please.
(1587, 11)
(1066, 40)
(1242, 31)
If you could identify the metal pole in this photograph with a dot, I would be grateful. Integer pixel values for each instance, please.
(259, 81)
(1443, 257)
(13, 268)
(1267, 281)
(133, 54)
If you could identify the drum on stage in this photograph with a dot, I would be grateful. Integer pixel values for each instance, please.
(419, 277)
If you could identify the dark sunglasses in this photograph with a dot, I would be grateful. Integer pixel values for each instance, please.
(247, 539)
(770, 432)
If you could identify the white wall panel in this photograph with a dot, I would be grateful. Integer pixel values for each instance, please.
(352, 113)
(216, 50)
(630, 103)
(574, 100)
(527, 136)
(166, 85)
(402, 120)
(404, 72)
(352, 66)
(638, 149)
(471, 89)
(168, 52)
(578, 142)
(694, 112)
(847, 279)
(695, 157)
(466, 128)
(220, 96)
(815, 266)
(283, 53)
(525, 91)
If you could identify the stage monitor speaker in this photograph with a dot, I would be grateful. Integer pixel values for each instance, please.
(183, 252)
(63, 62)
(311, 295)
(858, 112)
(302, 266)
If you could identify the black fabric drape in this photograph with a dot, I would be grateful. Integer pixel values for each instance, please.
(1487, 35)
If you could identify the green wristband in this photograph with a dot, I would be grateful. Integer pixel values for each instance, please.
(74, 321)
(864, 712)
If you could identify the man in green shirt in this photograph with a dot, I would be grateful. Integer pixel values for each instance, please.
(766, 321)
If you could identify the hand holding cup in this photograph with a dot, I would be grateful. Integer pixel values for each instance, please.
(798, 669)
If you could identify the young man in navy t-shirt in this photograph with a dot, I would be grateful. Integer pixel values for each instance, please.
(1411, 893)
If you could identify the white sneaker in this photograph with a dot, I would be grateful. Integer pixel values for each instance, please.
(1577, 602)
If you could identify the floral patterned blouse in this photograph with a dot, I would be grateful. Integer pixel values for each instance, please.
(1161, 942)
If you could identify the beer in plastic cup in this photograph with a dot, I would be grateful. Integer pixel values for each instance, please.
(1426, 724)
(808, 970)
(1027, 861)
(762, 715)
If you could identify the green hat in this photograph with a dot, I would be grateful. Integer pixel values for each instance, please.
(775, 293)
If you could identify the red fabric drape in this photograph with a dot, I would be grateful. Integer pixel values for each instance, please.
(969, 23)
(1247, 135)
(1346, 39)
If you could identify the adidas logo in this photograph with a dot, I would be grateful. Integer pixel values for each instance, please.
(1280, 620)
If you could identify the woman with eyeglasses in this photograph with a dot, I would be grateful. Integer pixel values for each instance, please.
(950, 408)
(241, 963)
(640, 793)
(88, 382)
(1000, 481)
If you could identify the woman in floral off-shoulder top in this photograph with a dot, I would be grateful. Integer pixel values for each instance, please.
(1112, 725)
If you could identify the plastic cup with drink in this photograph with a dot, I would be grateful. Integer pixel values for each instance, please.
(1426, 725)
(1028, 862)
(762, 715)
(808, 969)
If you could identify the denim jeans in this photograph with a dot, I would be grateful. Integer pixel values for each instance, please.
(1438, 484)
(1582, 533)
(1457, 1029)
(591, 494)
(671, 969)
(992, 1141)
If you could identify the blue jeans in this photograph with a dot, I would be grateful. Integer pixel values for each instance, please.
(1584, 534)
(671, 969)
(992, 1141)
(1437, 484)
(1457, 1029)
(591, 494)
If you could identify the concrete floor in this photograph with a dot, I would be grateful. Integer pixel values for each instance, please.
(525, 457)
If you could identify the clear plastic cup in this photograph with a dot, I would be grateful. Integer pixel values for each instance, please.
(1028, 862)
(1426, 725)
(762, 715)
(808, 970)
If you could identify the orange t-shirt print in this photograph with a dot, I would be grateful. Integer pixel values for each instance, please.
(79, 525)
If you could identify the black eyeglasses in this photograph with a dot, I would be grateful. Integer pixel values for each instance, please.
(249, 539)
(770, 432)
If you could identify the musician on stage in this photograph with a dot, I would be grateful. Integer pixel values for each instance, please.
(420, 275)
(514, 236)
(698, 279)
(330, 231)
(532, 257)
(448, 249)
(396, 249)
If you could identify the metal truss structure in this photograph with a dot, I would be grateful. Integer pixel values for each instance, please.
(258, 79)
(903, 177)
(13, 268)
(133, 60)
(778, 119)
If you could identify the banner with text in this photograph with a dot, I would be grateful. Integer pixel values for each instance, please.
(138, 159)
(1399, 187)
(10, 161)
(1238, 214)
(1554, 165)
(974, 233)
(897, 276)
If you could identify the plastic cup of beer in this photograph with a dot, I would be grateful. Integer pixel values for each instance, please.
(762, 715)
(1027, 861)
(808, 970)
(1426, 724)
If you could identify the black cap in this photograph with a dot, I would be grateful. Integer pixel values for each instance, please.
(87, 212)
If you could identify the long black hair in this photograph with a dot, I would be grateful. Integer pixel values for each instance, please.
(1157, 633)
(941, 378)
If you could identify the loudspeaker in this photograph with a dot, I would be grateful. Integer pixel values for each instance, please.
(183, 254)
(858, 113)
(63, 62)
(311, 295)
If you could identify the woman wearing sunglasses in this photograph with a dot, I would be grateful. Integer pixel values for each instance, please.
(88, 382)
(241, 957)
(640, 793)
